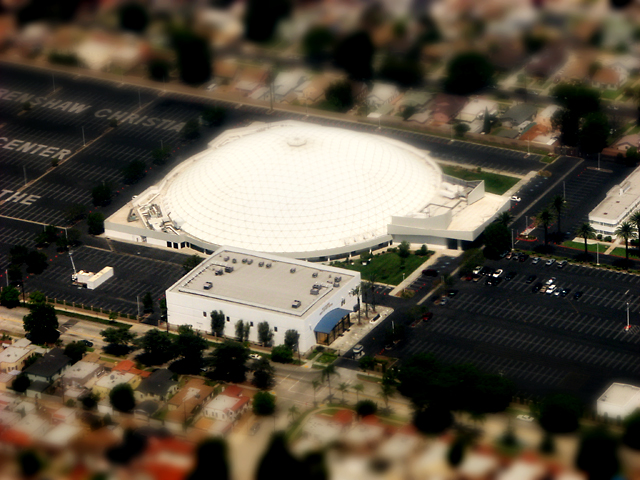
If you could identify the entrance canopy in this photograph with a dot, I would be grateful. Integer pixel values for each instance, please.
(330, 320)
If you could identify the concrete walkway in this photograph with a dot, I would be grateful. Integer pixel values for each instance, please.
(418, 271)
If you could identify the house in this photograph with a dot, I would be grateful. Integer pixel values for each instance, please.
(446, 107)
(6, 380)
(544, 117)
(626, 142)
(381, 94)
(610, 78)
(313, 90)
(49, 367)
(547, 62)
(286, 82)
(415, 99)
(104, 385)
(476, 108)
(193, 394)
(33, 426)
(14, 358)
(618, 401)
(82, 374)
(518, 114)
(146, 409)
(60, 437)
(127, 366)
(229, 405)
(158, 386)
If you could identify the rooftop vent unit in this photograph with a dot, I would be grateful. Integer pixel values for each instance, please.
(314, 274)
(296, 304)
(233, 260)
(336, 284)
(228, 269)
(249, 261)
(315, 291)
(244, 260)
(208, 285)
(317, 285)
(337, 279)
(261, 264)
(219, 271)
(293, 270)
(226, 259)
(269, 265)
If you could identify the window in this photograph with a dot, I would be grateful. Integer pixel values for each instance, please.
(251, 324)
(228, 319)
(204, 314)
(275, 329)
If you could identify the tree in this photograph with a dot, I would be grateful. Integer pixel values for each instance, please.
(95, 223)
(632, 156)
(468, 73)
(18, 254)
(211, 456)
(119, 339)
(121, 398)
(90, 401)
(147, 303)
(343, 387)
(631, 436)
(191, 262)
(291, 339)
(293, 411)
(265, 334)
(358, 388)
(42, 323)
(317, 43)
(193, 55)
(264, 404)
(408, 112)
(460, 129)
(101, 194)
(75, 351)
(545, 218)
(277, 461)
(158, 69)
(73, 237)
(262, 17)
(586, 231)
(365, 408)
(213, 116)
(37, 298)
(189, 345)
(133, 17)
(403, 71)
(48, 235)
(36, 262)
(627, 231)
(558, 205)
(433, 420)
(157, 346)
(354, 54)
(30, 463)
(217, 322)
(282, 354)
(228, 362)
(578, 99)
(505, 218)
(160, 155)
(191, 129)
(366, 362)
(21, 383)
(491, 394)
(404, 249)
(598, 455)
(10, 297)
(594, 133)
(133, 172)
(263, 374)
(568, 123)
(486, 122)
(339, 96)
(240, 331)
(328, 372)
(456, 452)
(559, 413)
(497, 239)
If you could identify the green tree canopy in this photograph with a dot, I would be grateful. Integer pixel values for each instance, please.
(406, 72)
(36, 262)
(42, 323)
(317, 43)
(75, 351)
(133, 172)
(262, 17)
(598, 455)
(157, 346)
(277, 461)
(497, 239)
(95, 223)
(433, 420)
(191, 129)
(594, 133)
(265, 334)
(21, 383)
(264, 404)
(354, 54)
(121, 398)
(194, 57)
(191, 262)
(217, 322)
(263, 374)
(101, 194)
(213, 116)
(291, 339)
(578, 99)
(282, 354)
(189, 345)
(158, 69)
(119, 339)
(339, 96)
(133, 17)
(559, 413)
(468, 73)
(211, 456)
(228, 362)
(10, 297)
(631, 436)
(366, 407)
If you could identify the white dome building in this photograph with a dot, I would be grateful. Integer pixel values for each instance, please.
(298, 190)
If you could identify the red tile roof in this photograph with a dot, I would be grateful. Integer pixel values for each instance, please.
(233, 391)
(130, 367)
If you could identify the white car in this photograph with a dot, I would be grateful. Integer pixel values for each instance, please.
(516, 198)
(358, 349)
(525, 418)
(551, 289)
(551, 281)
(254, 356)
(476, 270)
(550, 262)
(535, 260)
(497, 273)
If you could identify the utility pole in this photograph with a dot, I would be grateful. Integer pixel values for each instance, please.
(598, 161)
(597, 253)
(564, 191)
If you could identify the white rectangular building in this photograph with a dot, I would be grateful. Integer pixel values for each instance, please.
(621, 201)
(619, 401)
(314, 299)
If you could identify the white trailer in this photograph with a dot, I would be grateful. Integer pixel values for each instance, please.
(93, 280)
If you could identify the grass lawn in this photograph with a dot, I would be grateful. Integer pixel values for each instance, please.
(386, 267)
(493, 182)
(611, 94)
(591, 247)
(619, 252)
(109, 359)
(327, 358)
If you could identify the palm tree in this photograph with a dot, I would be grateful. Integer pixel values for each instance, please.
(386, 391)
(558, 205)
(626, 231)
(635, 219)
(586, 231)
(505, 218)
(356, 291)
(293, 412)
(358, 388)
(343, 387)
(327, 373)
(545, 218)
(316, 385)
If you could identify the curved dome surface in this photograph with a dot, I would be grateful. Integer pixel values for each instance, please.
(292, 187)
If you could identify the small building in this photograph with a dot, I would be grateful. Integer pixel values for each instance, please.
(618, 401)
(63, 415)
(33, 426)
(14, 358)
(49, 367)
(158, 386)
(146, 409)
(286, 82)
(626, 142)
(447, 107)
(82, 374)
(382, 94)
(229, 405)
(415, 99)
(128, 366)
(547, 62)
(544, 117)
(192, 395)
(518, 114)
(104, 385)
(476, 109)
(6, 380)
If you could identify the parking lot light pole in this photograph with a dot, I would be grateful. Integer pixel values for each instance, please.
(597, 253)
(628, 326)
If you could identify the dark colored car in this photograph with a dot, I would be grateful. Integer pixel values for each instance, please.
(87, 343)
(504, 254)
(510, 275)
(564, 292)
(577, 295)
(531, 278)
(452, 293)
(523, 257)
(427, 316)
(494, 282)
(536, 288)
(430, 272)
(487, 271)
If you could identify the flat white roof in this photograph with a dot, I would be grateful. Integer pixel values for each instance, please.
(619, 394)
(619, 202)
(263, 281)
(477, 106)
(222, 402)
(13, 354)
(113, 379)
(81, 369)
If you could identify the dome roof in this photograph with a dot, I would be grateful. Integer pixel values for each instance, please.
(291, 187)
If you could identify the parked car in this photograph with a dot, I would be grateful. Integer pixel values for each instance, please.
(452, 293)
(476, 270)
(544, 289)
(562, 264)
(497, 273)
(550, 281)
(564, 292)
(577, 295)
(254, 428)
(536, 288)
(358, 349)
(551, 289)
(525, 418)
(87, 343)
(510, 275)
(550, 262)
(515, 198)
(523, 257)
(531, 278)
(430, 272)
(504, 254)
(427, 316)
(535, 260)
(254, 356)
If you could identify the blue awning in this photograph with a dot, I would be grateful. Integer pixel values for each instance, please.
(331, 319)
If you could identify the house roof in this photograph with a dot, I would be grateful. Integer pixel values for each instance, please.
(130, 367)
(448, 105)
(415, 99)
(49, 364)
(607, 76)
(148, 407)
(158, 383)
(194, 392)
(633, 140)
(233, 391)
(13, 354)
(519, 113)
